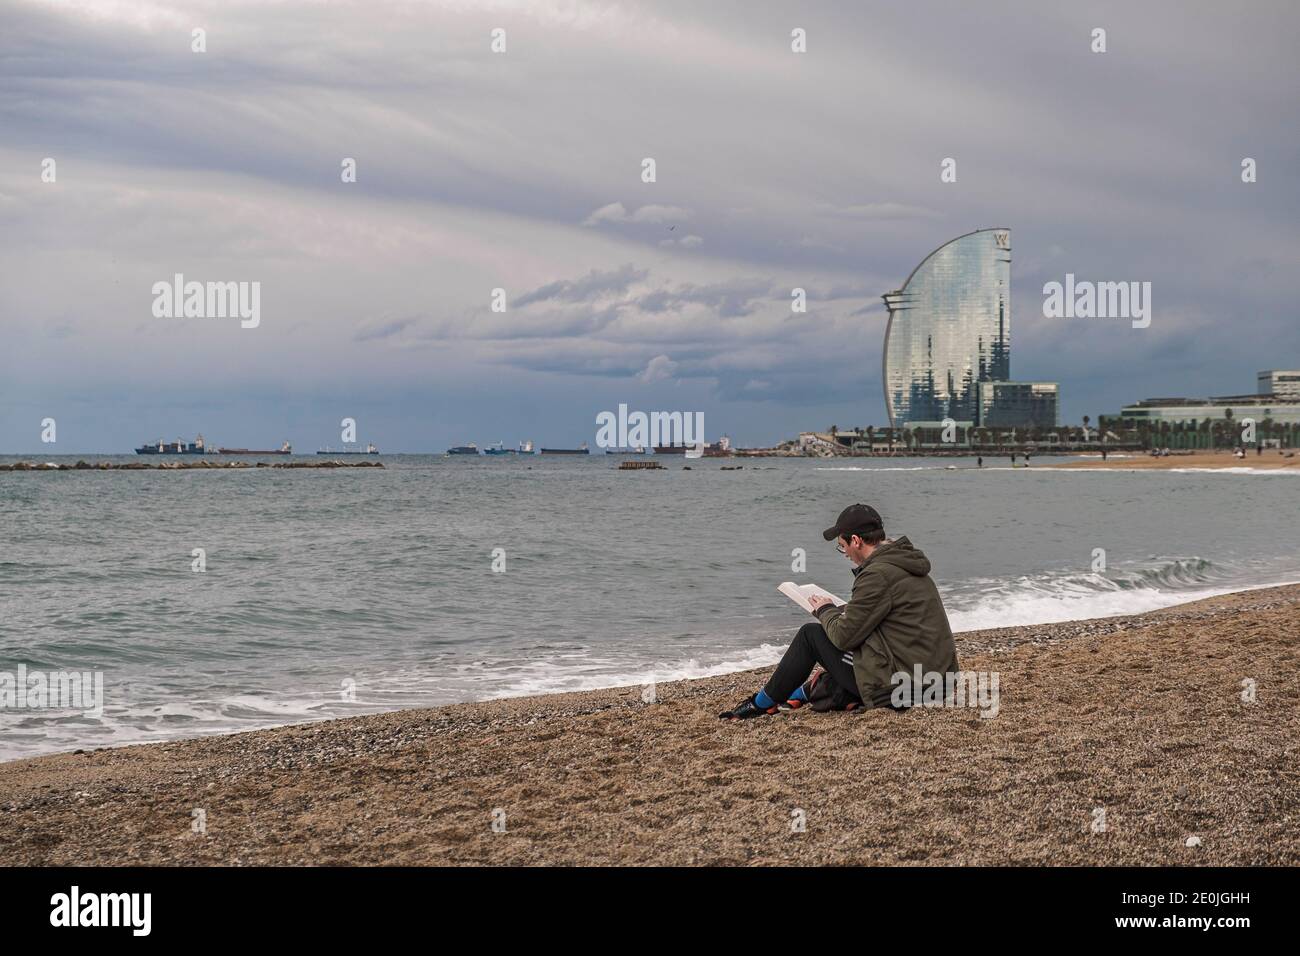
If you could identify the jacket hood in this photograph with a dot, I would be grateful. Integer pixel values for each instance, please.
(901, 554)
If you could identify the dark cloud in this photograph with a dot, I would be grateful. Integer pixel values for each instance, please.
(383, 330)
(779, 170)
(593, 285)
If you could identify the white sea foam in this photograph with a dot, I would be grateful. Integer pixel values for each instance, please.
(543, 678)
(1245, 470)
(1226, 470)
(1043, 607)
(990, 604)
(864, 468)
(1054, 596)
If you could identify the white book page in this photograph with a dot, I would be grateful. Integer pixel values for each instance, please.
(800, 593)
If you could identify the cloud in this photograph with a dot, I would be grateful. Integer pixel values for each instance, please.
(614, 212)
(617, 212)
(478, 172)
(658, 369)
(593, 285)
(877, 211)
(685, 242)
(382, 330)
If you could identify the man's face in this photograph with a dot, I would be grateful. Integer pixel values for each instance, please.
(853, 548)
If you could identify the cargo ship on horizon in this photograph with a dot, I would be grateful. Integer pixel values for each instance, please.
(580, 450)
(285, 449)
(525, 448)
(177, 447)
(201, 447)
(370, 449)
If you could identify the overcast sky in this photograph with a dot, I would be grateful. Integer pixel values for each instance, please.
(522, 170)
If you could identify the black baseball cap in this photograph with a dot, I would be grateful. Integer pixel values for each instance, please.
(855, 518)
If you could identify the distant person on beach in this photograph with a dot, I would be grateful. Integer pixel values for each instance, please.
(894, 622)
(979, 462)
(1103, 454)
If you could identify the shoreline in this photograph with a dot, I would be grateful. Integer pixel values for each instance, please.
(1086, 720)
(981, 639)
(1223, 462)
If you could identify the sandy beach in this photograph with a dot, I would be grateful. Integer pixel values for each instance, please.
(1217, 461)
(1141, 716)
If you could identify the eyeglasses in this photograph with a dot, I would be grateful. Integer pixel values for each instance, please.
(840, 548)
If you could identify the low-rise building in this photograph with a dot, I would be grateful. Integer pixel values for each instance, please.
(1004, 404)
(1280, 384)
(1277, 401)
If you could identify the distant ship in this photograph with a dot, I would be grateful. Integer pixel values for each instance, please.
(285, 449)
(470, 449)
(177, 447)
(525, 448)
(580, 450)
(670, 449)
(371, 449)
(638, 450)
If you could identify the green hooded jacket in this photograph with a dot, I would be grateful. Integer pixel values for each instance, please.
(894, 621)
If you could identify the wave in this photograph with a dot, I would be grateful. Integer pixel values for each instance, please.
(1053, 597)
(545, 679)
(901, 468)
(973, 604)
(1243, 470)
(25, 734)
(1226, 470)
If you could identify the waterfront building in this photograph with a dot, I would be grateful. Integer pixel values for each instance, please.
(1019, 404)
(949, 329)
(1194, 411)
(1277, 402)
(1280, 384)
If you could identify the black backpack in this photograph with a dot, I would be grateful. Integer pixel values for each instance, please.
(824, 694)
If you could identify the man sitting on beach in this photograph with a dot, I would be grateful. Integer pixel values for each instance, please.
(894, 622)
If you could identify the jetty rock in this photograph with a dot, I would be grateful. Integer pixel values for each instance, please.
(202, 464)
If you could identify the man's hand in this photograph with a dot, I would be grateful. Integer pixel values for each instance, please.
(818, 602)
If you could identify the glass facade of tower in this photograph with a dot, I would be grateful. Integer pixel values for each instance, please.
(1018, 404)
(949, 329)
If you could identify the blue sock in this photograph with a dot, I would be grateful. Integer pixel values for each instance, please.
(763, 701)
(799, 694)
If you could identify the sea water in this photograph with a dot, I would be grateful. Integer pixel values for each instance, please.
(333, 592)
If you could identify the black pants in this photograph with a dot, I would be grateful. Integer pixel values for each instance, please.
(811, 646)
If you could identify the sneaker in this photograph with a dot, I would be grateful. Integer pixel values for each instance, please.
(745, 710)
(794, 703)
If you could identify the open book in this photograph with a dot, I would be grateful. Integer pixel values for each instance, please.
(800, 593)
